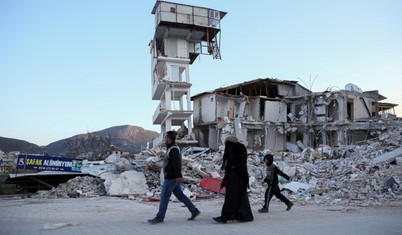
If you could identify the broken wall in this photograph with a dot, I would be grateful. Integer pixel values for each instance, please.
(228, 106)
(252, 109)
(255, 139)
(273, 139)
(222, 106)
(362, 107)
(275, 111)
(286, 90)
(301, 91)
(204, 109)
(213, 138)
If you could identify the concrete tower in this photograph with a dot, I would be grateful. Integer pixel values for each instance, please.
(182, 33)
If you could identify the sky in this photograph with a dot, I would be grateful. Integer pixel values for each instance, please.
(68, 66)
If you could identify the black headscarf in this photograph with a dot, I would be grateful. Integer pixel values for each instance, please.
(270, 159)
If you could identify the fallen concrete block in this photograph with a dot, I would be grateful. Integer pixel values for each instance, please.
(295, 186)
(388, 157)
(123, 164)
(290, 171)
(129, 183)
(300, 145)
(108, 177)
(292, 147)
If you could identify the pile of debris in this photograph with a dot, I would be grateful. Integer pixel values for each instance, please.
(197, 163)
(115, 176)
(85, 186)
(367, 174)
(364, 174)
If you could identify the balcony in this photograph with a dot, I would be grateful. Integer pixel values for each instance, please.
(166, 74)
(158, 88)
(160, 115)
(177, 116)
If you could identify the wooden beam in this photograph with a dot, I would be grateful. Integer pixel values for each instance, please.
(41, 182)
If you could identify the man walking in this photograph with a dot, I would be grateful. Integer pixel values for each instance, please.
(172, 182)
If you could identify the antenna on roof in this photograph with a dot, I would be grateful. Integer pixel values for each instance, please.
(311, 82)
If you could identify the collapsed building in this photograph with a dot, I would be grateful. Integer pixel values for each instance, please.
(283, 115)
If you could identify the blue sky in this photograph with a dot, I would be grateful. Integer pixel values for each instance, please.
(68, 67)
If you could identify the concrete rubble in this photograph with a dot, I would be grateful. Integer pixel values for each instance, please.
(367, 174)
(114, 177)
(325, 175)
(85, 186)
(128, 183)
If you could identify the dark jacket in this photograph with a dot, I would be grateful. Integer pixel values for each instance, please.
(276, 173)
(172, 162)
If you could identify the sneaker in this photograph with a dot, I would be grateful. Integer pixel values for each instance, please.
(155, 221)
(263, 210)
(220, 220)
(289, 206)
(194, 215)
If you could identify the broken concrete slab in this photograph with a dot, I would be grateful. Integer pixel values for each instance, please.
(388, 157)
(108, 177)
(292, 147)
(129, 183)
(123, 164)
(300, 145)
(295, 186)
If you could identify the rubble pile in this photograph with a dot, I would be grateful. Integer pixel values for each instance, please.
(85, 186)
(195, 167)
(326, 175)
(367, 174)
(346, 174)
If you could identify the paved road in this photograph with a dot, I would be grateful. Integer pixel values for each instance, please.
(107, 215)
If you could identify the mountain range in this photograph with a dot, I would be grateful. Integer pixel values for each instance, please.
(126, 138)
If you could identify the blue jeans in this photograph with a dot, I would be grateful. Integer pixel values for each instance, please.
(171, 186)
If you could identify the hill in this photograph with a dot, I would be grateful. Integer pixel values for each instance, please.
(126, 138)
(10, 145)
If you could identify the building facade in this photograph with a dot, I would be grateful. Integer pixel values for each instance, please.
(283, 115)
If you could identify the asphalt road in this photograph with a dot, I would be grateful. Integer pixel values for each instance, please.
(107, 215)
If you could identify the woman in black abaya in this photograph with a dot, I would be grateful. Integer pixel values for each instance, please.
(236, 205)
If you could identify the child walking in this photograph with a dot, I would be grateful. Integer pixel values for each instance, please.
(272, 181)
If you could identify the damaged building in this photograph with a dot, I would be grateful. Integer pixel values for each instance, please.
(283, 115)
(182, 33)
